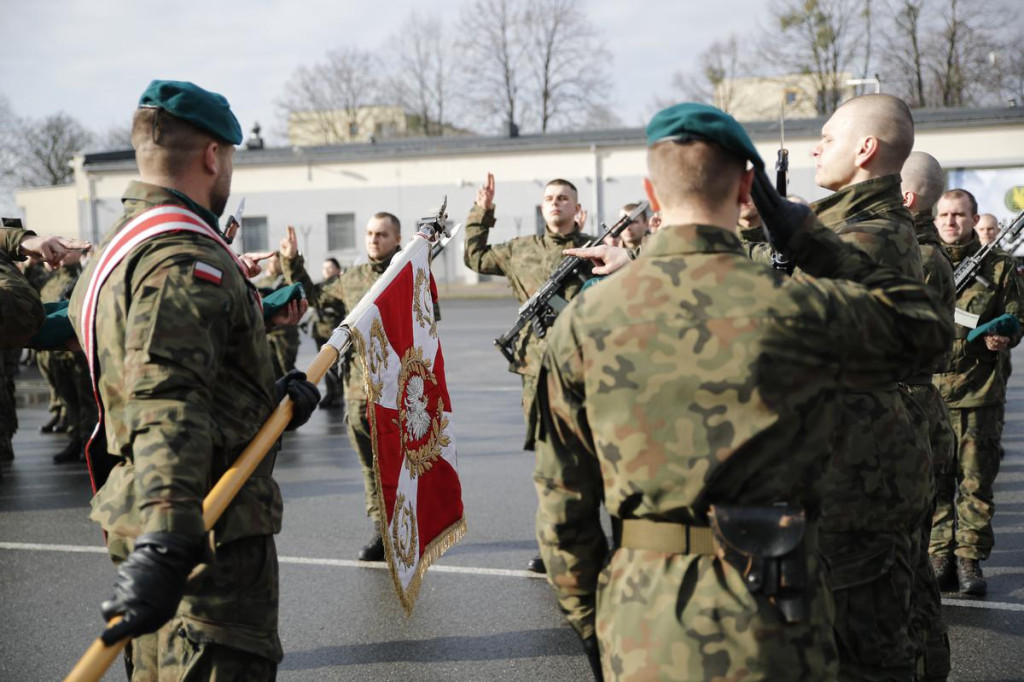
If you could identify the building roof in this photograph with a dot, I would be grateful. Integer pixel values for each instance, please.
(924, 119)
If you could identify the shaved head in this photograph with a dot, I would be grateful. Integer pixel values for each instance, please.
(923, 176)
(693, 173)
(889, 119)
(867, 137)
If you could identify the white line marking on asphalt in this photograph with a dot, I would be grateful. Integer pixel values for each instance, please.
(440, 568)
(296, 560)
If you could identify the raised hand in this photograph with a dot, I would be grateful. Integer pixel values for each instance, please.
(289, 245)
(251, 261)
(485, 195)
(52, 249)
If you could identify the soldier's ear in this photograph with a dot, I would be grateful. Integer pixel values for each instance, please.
(211, 158)
(746, 182)
(652, 197)
(909, 198)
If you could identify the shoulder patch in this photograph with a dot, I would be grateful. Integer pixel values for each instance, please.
(208, 273)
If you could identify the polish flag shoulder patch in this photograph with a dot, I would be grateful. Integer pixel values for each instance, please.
(208, 273)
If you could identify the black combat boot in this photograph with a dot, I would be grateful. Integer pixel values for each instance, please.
(48, 426)
(61, 426)
(536, 565)
(72, 452)
(972, 582)
(374, 550)
(945, 572)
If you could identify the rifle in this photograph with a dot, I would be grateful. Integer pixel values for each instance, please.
(779, 261)
(541, 309)
(969, 270)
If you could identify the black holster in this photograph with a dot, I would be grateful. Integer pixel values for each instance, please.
(766, 545)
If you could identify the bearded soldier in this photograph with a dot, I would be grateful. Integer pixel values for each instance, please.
(697, 398)
(175, 338)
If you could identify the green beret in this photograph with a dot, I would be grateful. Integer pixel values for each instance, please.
(206, 110)
(692, 121)
(1004, 325)
(275, 302)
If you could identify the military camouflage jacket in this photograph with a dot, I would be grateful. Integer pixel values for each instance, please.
(21, 311)
(977, 376)
(326, 319)
(527, 262)
(938, 269)
(57, 282)
(698, 378)
(185, 381)
(342, 293)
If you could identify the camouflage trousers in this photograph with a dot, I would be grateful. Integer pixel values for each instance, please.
(70, 374)
(8, 408)
(529, 413)
(333, 384)
(226, 624)
(44, 359)
(689, 617)
(361, 438)
(284, 349)
(965, 501)
(871, 576)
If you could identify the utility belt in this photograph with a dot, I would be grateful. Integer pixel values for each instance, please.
(767, 545)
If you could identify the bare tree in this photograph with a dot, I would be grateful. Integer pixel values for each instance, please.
(903, 52)
(821, 39)
(423, 71)
(9, 137)
(47, 147)
(330, 97)
(568, 64)
(715, 82)
(117, 137)
(959, 56)
(492, 35)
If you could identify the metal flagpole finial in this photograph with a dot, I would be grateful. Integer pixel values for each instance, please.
(436, 226)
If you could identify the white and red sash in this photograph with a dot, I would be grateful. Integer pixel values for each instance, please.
(156, 221)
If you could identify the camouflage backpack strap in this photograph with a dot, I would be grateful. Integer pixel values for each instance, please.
(156, 221)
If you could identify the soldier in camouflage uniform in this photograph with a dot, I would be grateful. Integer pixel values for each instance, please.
(702, 388)
(21, 310)
(974, 388)
(922, 183)
(283, 340)
(879, 488)
(528, 262)
(67, 370)
(383, 241)
(324, 322)
(184, 377)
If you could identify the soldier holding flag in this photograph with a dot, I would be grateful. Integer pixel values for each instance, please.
(175, 340)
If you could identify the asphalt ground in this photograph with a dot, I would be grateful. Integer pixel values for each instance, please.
(479, 615)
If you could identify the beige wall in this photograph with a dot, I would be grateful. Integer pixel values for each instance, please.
(50, 210)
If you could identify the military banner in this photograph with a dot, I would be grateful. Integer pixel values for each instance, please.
(410, 413)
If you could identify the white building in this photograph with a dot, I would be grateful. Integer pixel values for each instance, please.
(329, 193)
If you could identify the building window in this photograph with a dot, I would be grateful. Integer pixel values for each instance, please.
(254, 234)
(341, 231)
(791, 96)
(353, 129)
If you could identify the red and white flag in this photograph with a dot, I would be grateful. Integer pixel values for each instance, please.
(414, 457)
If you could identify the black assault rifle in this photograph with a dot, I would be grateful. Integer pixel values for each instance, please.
(543, 307)
(969, 270)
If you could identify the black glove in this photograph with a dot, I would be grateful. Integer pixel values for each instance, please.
(594, 657)
(150, 583)
(305, 396)
(781, 218)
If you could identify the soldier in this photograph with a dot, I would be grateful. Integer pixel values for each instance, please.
(183, 375)
(67, 371)
(974, 388)
(324, 322)
(383, 241)
(922, 183)
(711, 400)
(987, 228)
(527, 262)
(635, 232)
(21, 310)
(283, 340)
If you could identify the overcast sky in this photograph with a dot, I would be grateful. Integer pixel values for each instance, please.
(92, 58)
